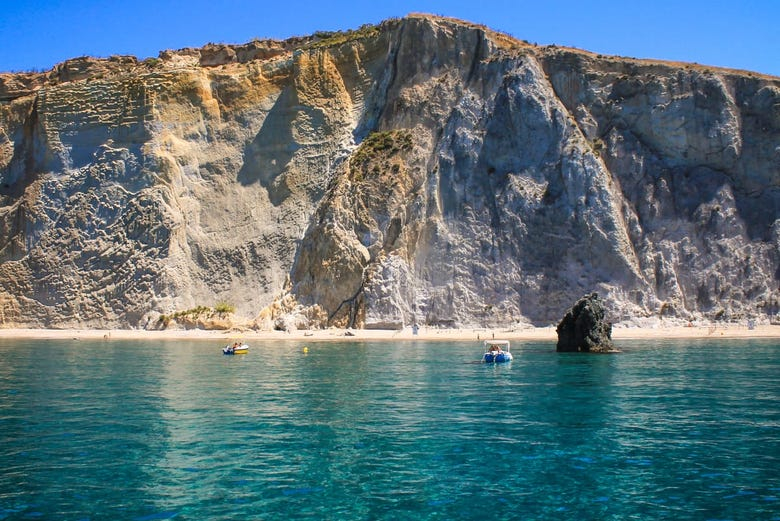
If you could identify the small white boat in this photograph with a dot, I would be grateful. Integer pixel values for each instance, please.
(497, 352)
(238, 348)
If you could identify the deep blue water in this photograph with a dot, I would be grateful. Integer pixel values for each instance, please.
(148, 431)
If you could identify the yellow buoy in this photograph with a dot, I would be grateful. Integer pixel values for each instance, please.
(305, 349)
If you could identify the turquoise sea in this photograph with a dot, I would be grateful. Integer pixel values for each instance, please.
(388, 431)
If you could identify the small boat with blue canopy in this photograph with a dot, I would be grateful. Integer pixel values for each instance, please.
(497, 352)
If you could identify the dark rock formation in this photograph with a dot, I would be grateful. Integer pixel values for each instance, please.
(584, 327)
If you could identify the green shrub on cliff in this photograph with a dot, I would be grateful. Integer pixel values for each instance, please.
(374, 153)
(386, 142)
(221, 308)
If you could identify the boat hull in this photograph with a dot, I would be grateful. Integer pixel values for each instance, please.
(497, 358)
(236, 351)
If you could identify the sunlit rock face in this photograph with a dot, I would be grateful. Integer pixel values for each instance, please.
(423, 171)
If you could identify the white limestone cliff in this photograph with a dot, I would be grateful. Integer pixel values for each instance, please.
(425, 170)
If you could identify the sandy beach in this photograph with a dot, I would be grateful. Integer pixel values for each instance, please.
(659, 331)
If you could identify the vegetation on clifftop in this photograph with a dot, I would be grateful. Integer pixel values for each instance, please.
(333, 38)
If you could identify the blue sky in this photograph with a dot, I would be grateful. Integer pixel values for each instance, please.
(742, 34)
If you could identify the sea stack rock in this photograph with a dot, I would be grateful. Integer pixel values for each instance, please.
(584, 328)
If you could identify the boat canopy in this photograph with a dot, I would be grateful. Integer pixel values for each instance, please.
(503, 344)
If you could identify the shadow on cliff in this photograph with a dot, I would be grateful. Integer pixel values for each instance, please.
(266, 158)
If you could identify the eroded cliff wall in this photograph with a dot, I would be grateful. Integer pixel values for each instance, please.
(424, 170)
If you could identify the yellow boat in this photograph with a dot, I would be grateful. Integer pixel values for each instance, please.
(238, 348)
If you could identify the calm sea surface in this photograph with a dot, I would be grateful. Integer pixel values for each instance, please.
(146, 431)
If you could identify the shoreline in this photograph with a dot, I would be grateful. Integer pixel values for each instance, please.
(424, 334)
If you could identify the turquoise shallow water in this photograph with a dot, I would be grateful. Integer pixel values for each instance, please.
(144, 431)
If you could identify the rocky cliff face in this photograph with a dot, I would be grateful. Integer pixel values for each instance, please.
(424, 170)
